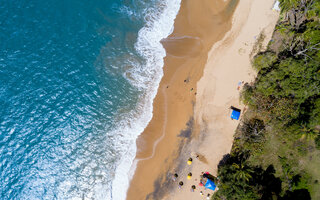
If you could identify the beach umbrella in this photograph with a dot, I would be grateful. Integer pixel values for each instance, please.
(189, 161)
(210, 185)
(189, 176)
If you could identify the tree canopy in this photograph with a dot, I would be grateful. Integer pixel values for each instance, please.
(277, 145)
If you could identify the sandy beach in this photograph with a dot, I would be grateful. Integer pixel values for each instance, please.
(207, 62)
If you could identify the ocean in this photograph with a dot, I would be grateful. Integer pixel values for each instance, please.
(77, 82)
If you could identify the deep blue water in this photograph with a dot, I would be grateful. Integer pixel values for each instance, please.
(63, 87)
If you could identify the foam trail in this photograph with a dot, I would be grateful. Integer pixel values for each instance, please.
(147, 77)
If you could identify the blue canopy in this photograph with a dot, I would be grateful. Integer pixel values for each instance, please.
(210, 185)
(235, 114)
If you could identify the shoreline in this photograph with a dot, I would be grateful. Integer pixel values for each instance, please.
(197, 26)
(159, 20)
(191, 113)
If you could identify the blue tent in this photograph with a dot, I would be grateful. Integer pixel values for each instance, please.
(210, 185)
(235, 114)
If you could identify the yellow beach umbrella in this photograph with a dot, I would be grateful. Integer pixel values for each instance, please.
(189, 176)
(189, 161)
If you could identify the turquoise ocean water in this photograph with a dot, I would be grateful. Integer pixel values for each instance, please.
(77, 81)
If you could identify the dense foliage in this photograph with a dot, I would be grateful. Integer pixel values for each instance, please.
(276, 151)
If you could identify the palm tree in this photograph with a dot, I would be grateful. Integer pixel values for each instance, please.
(242, 172)
(287, 5)
(308, 133)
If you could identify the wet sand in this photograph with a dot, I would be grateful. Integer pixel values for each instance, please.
(198, 25)
(190, 116)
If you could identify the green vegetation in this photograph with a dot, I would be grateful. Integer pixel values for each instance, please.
(276, 150)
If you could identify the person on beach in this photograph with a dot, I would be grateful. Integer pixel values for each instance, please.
(174, 177)
(180, 184)
(201, 179)
(193, 187)
(201, 193)
(239, 85)
(208, 196)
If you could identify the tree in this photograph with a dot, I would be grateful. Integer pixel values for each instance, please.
(287, 5)
(308, 133)
(242, 172)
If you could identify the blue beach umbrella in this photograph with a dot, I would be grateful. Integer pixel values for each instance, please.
(210, 185)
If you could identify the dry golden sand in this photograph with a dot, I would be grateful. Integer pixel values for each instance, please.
(228, 64)
(197, 26)
(191, 116)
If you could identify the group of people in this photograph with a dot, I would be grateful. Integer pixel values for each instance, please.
(193, 187)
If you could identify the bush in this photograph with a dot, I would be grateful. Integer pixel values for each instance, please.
(273, 151)
(264, 60)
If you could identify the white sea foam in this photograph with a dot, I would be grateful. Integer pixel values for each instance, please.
(159, 24)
